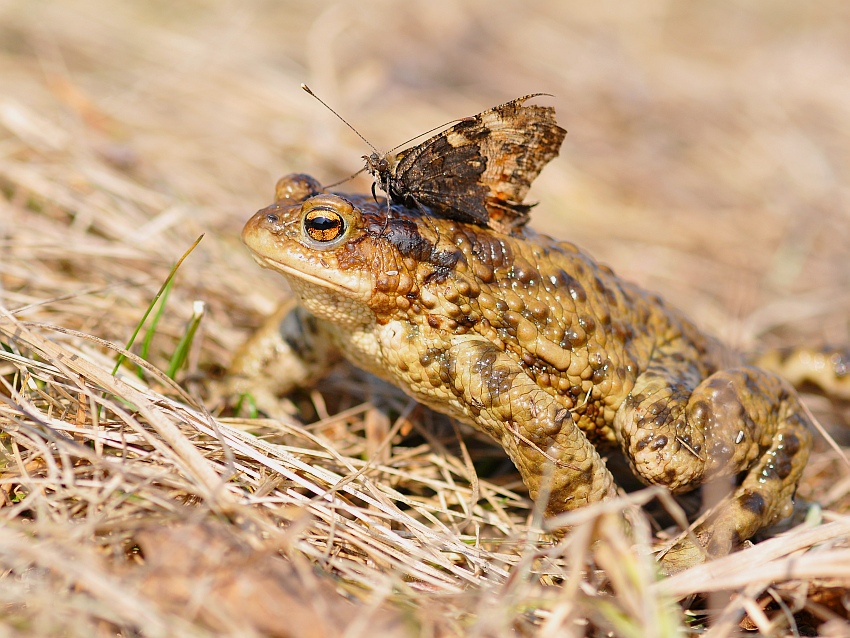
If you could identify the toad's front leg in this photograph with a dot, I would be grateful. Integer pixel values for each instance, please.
(486, 388)
(741, 420)
(292, 349)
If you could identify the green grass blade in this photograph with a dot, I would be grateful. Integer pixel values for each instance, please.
(151, 306)
(181, 353)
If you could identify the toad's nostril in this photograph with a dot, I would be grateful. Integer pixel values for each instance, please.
(271, 218)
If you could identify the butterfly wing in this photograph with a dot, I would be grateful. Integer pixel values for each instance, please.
(521, 141)
(480, 169)
(444, 174)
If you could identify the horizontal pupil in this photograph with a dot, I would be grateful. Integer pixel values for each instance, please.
(323, 227)
(320, 222)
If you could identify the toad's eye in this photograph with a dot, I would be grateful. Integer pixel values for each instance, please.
(327, 220)
(324, 225)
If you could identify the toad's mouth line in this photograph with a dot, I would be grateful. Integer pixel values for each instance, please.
(268, 262)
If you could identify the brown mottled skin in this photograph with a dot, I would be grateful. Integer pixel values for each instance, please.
(531, 341)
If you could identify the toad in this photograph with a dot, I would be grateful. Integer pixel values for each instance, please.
(531, 341)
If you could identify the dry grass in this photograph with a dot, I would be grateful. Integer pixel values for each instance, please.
(708, 157)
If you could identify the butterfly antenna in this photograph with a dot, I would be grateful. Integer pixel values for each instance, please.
(436, 128)
(342, 181)
(342, 119)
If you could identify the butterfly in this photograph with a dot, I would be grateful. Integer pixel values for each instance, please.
(479, 170)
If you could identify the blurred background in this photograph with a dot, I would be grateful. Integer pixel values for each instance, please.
(708, 154)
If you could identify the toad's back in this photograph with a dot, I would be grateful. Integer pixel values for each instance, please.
(583, 335)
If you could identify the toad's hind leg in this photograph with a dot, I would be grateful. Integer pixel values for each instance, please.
(739, 421)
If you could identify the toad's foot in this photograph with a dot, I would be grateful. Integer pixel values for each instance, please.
(739, 420)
